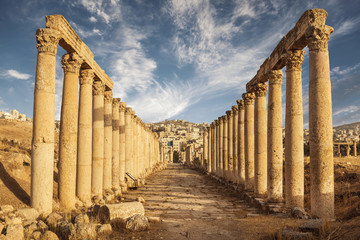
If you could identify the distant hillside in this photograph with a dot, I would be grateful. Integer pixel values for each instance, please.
(352, 126)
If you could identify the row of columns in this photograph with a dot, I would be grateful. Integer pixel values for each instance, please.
(100, 138)
(245, 146)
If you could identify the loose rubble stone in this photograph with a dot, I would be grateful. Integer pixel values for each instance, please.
(15, 231)
(154, 219)
(36, 235)
(52, 220)
(49, 235)
(85, 230)
(314, 225)
(290, 234)
(41, 226)
(140, 199)
(66, 230)
(104, 229)
(110, 212)
(137, 223)
(6, 209)
(27, 213)
(81, 218)
(1, 227)
(299, 213)
(29, 229)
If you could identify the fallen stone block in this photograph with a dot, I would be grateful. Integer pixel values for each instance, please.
(154, 219)
(85, 231)
(27, 214)
(14, 232)
(6, 209)
(52, 221)
(110, 212)
(292, 235)
(314, 226)
(104, 229)
(49, 235)
(137, 223)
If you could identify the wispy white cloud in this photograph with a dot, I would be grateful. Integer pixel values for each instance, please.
(343, 71)
(11, 73)
(92, 19)
(85, 33)
(345, 27)
(107, 10)
(347, 110)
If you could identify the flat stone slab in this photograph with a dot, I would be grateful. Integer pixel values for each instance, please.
(314, 226)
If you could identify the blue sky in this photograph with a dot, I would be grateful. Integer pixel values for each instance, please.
(178, 59)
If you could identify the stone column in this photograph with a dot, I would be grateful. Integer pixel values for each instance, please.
(71, 63)
(210, 148)
(215, 146)
(355, 151)
(128, 139)
(83, 185)
(204, 159)
(275, 138)
(230, 144)
(249, 140)
(294, 143)
(221, 147)
(122, 107)
(235, 143)
(218, 147)
(42, 145)
(98, 139)
(260, 130)
(241, 140)
(320, 123)
(115, 179)
(225, 148)
(107, 140)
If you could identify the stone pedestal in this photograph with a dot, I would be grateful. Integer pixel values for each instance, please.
(83, 184)
(122, 107)
(42, 145)
(294, 143)
(98, 139)
(68, 131)
(229, 138)
(320, 124)
(275, 139)
(260, 130)
(107, 140)
(115, 167)
(235, 144)
(249, 140)
(241, 140)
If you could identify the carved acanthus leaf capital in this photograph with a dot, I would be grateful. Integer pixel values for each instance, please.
(216, 122)
(71, 62)
(318, 38)
(122, 106)
(275, 77)
(98, 88)
(224, 118)
(116, 102)
(235, 109)
(248, 98)
(108, 96)
(240, 104)
(229, 114)
(47, 40)
(86, 76)
(294, 60)
(261, 90)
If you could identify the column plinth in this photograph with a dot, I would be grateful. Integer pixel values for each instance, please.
(320, 123)
(68, 131)
(42, 145)
(275, 139)
(83, 186)
(249, 140)
(260, 131)
(98, 139)
(294, 144)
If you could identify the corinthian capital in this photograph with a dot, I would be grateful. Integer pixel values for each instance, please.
(318, 37)
(116, 102)
(235, 109)
(216, 122)
(86, 76)
(47, 40)
(128, 110)
(122, 106)
(240, 104)
(229, 114)
(275, 77)
(248, 98)
(98, 88)
(108, 96)
(295, 59)
(71, 62)
(261, 90)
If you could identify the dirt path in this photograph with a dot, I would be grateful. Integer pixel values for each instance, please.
(194, 206)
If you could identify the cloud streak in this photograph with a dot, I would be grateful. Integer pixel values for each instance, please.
(11, 73)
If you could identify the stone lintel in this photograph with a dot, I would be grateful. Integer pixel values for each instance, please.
(295, 39)
(71, 42)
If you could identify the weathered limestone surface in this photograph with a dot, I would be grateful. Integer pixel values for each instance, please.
(260, 130)
(42, 146)
(98, 139)
(275, 139)
(241, 140)
(249, 140)
(221, 147)
(235, 144)
(107, 140)
(115, 176)
(294, 145)
(68, 130)
(320, 123)
(205, 147)
(128, 139)
(83, 186)
(216, 147)
(210, 148)
(229, 138)
(110, 212)
(122, 150)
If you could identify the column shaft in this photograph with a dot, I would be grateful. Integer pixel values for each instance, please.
(128, 139)
(230, 144)
(320, 124)
(241, 140)
(83, 185)
(122, 150)
(249, 140)
(42, 146)
(235, 144)
(107, 140)
(115, 179)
